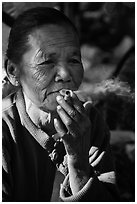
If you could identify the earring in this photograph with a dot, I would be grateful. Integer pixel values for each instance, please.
(16, 83)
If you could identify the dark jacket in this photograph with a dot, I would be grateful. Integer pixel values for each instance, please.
(29, 173)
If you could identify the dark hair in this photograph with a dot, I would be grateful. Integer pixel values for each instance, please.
(26, 23)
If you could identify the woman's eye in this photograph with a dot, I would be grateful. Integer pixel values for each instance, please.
(75, 61)
(46, 62)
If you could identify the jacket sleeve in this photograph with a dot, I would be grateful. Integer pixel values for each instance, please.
(101, 187)
(6, 167)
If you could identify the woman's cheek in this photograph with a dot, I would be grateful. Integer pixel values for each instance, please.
(44, 79)
(78, 73)
(40, 75)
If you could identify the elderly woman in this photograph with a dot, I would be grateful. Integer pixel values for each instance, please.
(45, 125)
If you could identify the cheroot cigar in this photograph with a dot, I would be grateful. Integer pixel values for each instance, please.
(67, 94)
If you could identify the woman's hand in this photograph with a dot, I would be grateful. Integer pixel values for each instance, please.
(74, 127)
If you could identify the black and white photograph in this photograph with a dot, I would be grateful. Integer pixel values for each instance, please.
(68, 101)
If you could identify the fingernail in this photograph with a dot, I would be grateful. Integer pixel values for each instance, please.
(59, 98)
(55, 121)
(59, 107)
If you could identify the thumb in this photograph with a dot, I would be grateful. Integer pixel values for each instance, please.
(88, 105)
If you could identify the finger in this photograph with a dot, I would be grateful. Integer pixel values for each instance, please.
(99, 158)
(65, 137)
(94, 154)
(59, 127)
(62, 134)
(78, 104)
(69, 109)
(61, 101)
(92, 150)
(83, 116)
(64, 117)
(93, 157)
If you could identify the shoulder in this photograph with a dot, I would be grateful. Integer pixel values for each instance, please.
(8, 104)
(9, 113)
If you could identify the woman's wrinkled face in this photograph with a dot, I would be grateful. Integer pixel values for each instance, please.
(52, 63)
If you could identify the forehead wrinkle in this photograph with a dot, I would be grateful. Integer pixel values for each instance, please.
(47, 44)
(52, 47)
(69, 50)
(51, 33)
(67, 39)
(60, 44)
(38, 39)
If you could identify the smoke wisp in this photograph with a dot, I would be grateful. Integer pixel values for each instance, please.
(106, 88)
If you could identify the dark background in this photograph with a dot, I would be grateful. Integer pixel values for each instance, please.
(107, 36)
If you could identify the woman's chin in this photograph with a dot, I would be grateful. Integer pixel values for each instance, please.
(50, 103)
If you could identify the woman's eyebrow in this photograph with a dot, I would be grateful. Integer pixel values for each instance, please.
(43, 55)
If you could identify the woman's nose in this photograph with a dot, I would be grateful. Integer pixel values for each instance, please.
(63, 74)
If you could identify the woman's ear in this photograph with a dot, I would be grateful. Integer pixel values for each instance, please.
(12, 72)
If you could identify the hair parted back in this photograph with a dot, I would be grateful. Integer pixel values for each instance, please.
(26, 23)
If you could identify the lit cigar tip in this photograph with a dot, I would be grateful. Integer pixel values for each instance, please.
(65, 92)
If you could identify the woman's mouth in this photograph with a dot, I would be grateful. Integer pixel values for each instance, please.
(53, 92)
(62, 91)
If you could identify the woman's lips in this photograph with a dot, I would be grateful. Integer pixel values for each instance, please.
(62, 90)
(52, 92)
